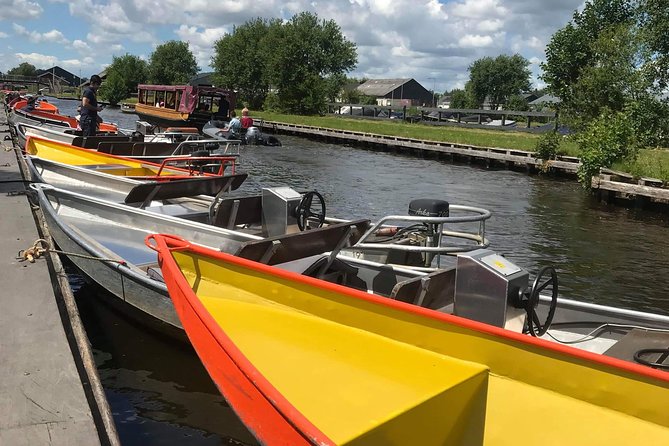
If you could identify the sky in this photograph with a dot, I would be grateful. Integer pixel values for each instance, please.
(432, 41)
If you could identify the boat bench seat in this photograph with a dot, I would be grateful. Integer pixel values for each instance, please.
(189, 187)
(233, 212)
(92, 142)
(434, 290)
(289, 247)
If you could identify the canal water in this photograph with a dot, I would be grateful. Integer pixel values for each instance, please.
(159, 392)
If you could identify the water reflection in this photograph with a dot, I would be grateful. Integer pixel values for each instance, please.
(157, 388)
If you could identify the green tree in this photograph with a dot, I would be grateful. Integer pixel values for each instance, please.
(498, 79)
(654, 22)
(113, 89)
(459, 98)
(24, 69)
(172, 63)
(589, 61)
(607, 65)
(240, 61)
(305, 51)
(131, 70)
(517, 103)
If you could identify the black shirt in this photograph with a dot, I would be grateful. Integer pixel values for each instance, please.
(92, 101)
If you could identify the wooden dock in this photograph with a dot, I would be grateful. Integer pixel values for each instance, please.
(50, 392)
(487, 156)
(624, 189)
(613, 187)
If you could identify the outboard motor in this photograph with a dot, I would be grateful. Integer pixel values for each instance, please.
(426, 207)
(252, 135)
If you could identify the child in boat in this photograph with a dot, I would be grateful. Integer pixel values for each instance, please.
(234, 126)
(246, 120)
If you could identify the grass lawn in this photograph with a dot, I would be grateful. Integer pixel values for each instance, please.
(652, 163)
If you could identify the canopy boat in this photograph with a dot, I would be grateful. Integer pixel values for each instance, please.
(250, 136)
(155, 148)
(306, 362)
(175, 105)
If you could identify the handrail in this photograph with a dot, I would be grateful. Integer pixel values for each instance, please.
(188, 160)
(479, 215)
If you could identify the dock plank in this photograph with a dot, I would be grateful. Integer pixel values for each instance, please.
(42, 396)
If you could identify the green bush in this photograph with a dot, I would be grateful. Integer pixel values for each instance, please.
(605, 140)
(548, 145)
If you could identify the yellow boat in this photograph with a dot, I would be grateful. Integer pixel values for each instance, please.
(303, 361)
(93, 160)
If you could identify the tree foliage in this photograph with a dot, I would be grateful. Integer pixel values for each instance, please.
(517, 103)
(113, 89)
(128, 71)
(608, 66)
(172, 63)
(240, 61)
(302, 61)
(459, 98)
(498, 79)
(24, 69)
(606, 139)
(654, 21)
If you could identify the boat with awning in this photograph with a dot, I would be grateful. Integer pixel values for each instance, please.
(179, 105)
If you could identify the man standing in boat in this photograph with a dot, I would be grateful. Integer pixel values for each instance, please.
(223, 109)
(89, 107)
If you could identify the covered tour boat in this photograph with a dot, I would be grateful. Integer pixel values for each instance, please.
(178, 105)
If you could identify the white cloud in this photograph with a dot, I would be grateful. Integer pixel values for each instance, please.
(53, 36)
(19, 10)
(3, 35)
(80, 45)
(40, 61)
(475, 41)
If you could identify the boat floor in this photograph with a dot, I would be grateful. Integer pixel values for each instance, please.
(326, 369)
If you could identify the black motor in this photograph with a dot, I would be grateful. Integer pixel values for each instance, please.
(426, 207)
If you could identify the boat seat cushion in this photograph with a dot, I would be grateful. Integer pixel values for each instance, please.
(434, 290)
(288, 247)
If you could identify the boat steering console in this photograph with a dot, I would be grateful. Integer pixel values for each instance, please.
(534, 325)
(305, 214)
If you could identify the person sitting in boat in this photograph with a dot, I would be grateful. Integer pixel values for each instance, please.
(31, 103)
(234, 127)
(246, 120)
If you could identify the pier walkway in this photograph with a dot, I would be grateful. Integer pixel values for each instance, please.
(48, 393)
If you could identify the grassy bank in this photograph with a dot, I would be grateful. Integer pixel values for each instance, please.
(650, 163)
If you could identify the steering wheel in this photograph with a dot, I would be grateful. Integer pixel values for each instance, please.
(534, 325)
(304, 213)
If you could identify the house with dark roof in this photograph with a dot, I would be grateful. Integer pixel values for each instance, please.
(396, 92)
(203, 79)
(57, 78)
(545, 101)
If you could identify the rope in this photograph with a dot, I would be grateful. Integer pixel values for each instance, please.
(41, 247)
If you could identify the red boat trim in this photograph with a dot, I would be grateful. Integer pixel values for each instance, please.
(273, 419)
